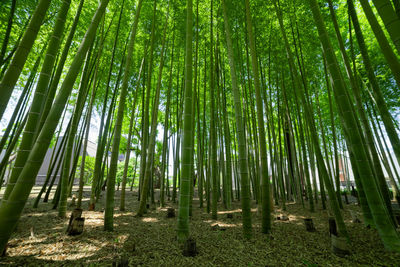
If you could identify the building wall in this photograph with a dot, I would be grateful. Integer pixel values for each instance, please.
(41, 177)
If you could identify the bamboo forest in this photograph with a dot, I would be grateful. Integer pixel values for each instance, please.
(200, 133)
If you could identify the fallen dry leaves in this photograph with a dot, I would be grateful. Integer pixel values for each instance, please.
(150, 240)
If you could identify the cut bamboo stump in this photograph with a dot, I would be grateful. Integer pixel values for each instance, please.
(73, 202)
(339, 246)
(190, 249)
(282, 218)
(77, 226)
(309, 225)
(130, 247)
(354, 217)
(76, 223)
(217, 227)
(332, 227)
(91, 207)
(32, 234)
(229, 215)
(170, 213)
(346, 198)
(76, 213)
(122, 262)
(354, 192)
(398, 220)
(4, 252)
(396, 211)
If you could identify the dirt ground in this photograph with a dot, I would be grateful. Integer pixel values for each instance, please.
(40, 239)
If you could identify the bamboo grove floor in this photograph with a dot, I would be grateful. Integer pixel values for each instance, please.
(40, 239)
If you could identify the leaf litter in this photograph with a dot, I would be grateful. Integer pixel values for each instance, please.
(40, 239)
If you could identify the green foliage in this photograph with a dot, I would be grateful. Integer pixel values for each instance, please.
(130, 174)
(88, 171)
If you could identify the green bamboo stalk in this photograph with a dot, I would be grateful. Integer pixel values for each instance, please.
(374, 158)
(68, 153)
(240, 132)
(103, 132)
(8, 31)
(154, 122)
(109, 210)
(166, 127)
(187, 146)
(390, 20)
(384, 158)
(386, 49)
(13, 72)
(213, 133)
(361, 112)
(31, 129)
(10, 210)
(84, 149)
(280, 158)
(129, 149)
(51, 92)
(378, 96)
(146, 110)
(21, 102)
(53, 160)
(265, 205)
(144, 159)
(200, 136)
(379, 212)
(321, 165)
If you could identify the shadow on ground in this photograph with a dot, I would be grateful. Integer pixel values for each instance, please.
(40, 239)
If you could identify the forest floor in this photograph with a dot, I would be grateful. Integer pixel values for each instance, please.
(40, 239)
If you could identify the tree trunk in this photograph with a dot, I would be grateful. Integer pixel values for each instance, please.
(265, 205)
(31, 129)
(379, 212)
(187, 146)
(109, 210)
(11, 210)
(21, 54)
(240, 132)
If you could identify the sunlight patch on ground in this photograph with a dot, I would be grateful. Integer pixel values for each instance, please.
(150, 219)
(123, 214)
(290, 216)
(230, 211)
(93, 220)
(61, 251)
(122, 238)
(221, 223)
(64, 249)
